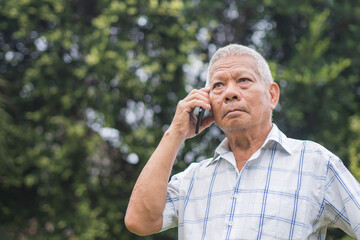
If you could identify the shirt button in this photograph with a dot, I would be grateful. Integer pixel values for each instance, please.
(230, 224)
(235, 195)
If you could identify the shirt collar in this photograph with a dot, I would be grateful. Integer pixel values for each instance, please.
(275, 135)
(279, 137)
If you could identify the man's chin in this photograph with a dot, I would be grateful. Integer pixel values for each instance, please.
(235, 126)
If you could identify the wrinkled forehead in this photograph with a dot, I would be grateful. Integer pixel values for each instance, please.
(239, 63)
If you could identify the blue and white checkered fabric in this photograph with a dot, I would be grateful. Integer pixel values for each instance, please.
(288, 189)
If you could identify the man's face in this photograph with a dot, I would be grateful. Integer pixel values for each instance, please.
(239, 97)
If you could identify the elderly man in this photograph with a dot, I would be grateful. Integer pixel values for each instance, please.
(259, 184)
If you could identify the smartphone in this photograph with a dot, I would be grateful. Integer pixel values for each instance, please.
(199, 118)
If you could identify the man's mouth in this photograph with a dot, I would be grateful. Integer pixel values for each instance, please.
(234, 111)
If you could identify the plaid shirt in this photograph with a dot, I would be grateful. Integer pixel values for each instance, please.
(288, 189)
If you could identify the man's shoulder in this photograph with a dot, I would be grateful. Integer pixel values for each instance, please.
(309, 146)
(296, 145)
(199, 164)
(194, 166)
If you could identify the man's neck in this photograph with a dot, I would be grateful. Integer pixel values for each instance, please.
(244, 143)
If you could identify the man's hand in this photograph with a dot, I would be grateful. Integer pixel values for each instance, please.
(184, 121)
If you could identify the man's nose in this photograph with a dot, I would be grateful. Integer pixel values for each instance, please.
(232, 92)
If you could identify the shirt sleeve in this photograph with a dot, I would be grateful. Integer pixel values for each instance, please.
(342, 199)
(170, 213)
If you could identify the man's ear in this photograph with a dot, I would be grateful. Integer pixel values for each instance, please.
(274, 91)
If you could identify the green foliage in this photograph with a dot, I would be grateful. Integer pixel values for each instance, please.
(309, 106)
(355, 146)
(4, 120)
(88, 87)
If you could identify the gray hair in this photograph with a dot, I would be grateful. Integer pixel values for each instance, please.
(237, 49)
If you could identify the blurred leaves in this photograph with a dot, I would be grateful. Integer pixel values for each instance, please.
(354, 147)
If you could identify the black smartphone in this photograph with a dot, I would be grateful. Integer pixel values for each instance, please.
(199, 118)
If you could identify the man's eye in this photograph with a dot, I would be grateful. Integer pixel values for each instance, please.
(244, 79)
(216, 85)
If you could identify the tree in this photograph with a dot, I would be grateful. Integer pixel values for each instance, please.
(76, 68)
